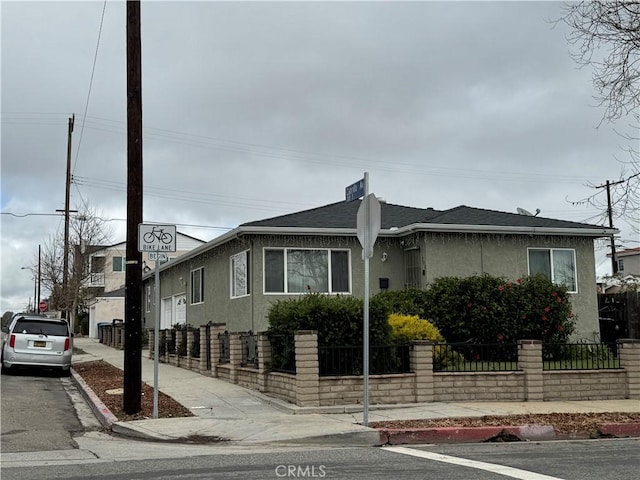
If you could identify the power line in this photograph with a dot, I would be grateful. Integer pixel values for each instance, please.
(93, 70)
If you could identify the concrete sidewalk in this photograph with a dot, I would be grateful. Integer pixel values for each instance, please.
(224, 411)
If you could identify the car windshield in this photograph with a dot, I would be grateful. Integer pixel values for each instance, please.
(43, 328)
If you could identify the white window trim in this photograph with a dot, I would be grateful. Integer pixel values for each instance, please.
(148, 298)
(329, 272)
(191, 302)
(551, 250)
(247, 257)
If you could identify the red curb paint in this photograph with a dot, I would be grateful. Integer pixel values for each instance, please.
(463, 434)
(620, 429)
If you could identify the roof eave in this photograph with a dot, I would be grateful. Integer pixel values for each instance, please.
(400, 231)
(514, 230)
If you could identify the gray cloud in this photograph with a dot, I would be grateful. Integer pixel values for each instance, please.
(253, 110)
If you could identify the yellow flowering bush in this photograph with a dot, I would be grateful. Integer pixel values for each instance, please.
(406, 328)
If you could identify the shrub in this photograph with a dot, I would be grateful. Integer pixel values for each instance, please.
(407, 302)
(406, 328)
(337, 319)
(491, 309)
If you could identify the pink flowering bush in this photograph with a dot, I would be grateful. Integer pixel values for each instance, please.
(492, 309)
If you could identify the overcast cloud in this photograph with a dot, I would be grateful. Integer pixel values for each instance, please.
(253, 110)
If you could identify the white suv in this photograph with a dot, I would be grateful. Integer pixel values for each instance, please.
(36, 341)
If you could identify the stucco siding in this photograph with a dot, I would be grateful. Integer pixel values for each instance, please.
(441, 255)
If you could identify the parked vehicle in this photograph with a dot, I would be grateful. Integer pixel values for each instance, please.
(37, 341)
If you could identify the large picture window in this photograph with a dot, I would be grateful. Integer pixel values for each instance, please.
(557, 264)
(240, 274)
(197, 286)
(294, 270)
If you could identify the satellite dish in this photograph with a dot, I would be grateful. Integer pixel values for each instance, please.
(522, 211)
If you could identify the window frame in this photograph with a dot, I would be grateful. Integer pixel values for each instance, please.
(285, 250)
(551, 251)
(192, 297)
(148, 301)
(232, 274)
(122, 264)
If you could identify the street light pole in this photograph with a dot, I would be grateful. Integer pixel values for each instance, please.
(35, 286)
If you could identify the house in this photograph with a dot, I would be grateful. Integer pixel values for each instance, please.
(105, 278)
(628, 261)
(233, 279)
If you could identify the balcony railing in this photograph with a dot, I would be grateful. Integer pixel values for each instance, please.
(94, 280)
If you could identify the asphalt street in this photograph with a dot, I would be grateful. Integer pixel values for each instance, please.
(610, 459)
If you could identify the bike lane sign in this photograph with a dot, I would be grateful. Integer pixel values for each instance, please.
(156, 238)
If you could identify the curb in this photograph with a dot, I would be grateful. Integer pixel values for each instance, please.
(466, 434)
(525, 433)
(100, 410)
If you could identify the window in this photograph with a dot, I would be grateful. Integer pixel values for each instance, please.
(197, 292)
(412, 268)
(148, 299)
(620, 265)
(97, 265)
(289, 270)
(558, 265)
(240, 274)
(118, 264)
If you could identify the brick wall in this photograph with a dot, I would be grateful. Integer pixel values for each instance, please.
(529, 383)
(382, 389)
(480, 386)
(584, 385)
(282, 385)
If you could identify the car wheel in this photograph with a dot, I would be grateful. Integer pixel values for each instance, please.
(65, 372)
(6, 370)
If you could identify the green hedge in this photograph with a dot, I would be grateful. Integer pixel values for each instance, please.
(337, 319)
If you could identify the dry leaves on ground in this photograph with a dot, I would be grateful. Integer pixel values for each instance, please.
(566, 423)
(103, 378)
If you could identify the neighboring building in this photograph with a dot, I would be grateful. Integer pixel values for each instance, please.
(628, 261)
(105, 278)
(234, 278)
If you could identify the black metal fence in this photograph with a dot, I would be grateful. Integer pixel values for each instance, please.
(249, 344)
(579, 356)
(223, 341)
(475, 357)
(195, 346)
(283, 353)
(208, 345)
(348, 360)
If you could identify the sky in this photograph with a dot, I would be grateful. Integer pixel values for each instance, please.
(257, 109)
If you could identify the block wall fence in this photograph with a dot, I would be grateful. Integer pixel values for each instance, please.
(306, 388)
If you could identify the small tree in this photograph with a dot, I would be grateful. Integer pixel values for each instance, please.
(85, 229)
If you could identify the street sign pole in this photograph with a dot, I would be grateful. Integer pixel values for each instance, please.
(156, 241)
(368, 227)
(156, 338)
(365, 334)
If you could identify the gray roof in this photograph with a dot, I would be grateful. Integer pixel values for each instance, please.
(120, 292)
(344, 215)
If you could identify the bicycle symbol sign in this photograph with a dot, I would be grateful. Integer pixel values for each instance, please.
(156, 238)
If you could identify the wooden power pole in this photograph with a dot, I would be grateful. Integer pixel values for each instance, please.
(65, 254)
(133, 280)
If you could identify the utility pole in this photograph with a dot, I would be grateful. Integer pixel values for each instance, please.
(39, 272)
(133, 297)
(614, 262)
(608, 185)
(65, 255)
